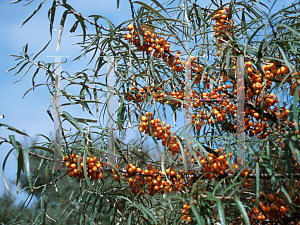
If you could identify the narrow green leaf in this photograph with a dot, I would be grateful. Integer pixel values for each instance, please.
(83, 28)
(61, 28)
(112, 216)
(24, 73)
(150, 8)
(196, 214)
(14, 67)
(3, 167)
(72, 120)
(34, 12)
(294, 108)
(31, 89)
(257, 179)
(41, 50)
(51, 16)
(13, 129)
(221, 211)
(14, 143)
(186, 8)
(284, 54)
(74, 27)
(16, 1)
(288, 162)
(20, 168)
(242, 210)
(289, 28)
(159, 5)
(27, 167)
(43, 208)
(21, 68)
(35, 73)
(145, 210)
(229, 187)
(129, 218)
(110, 24)
(42, 148)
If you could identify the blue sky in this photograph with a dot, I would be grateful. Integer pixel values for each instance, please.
(29, 114)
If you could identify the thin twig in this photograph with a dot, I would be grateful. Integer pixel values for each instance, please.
(86, 19)
(73, 82)
(30, 153)
(84, 213)
(52, 182)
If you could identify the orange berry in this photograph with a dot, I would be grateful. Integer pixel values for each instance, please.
(282, 210)
(68, 164)
(73, 166)
(130, 27)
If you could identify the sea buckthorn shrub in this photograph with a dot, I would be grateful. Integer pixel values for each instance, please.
(178, 87)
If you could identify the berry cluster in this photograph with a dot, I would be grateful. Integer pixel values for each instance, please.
(272, 206)
(93, 167)
(160, 131)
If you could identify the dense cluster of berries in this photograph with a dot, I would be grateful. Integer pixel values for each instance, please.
(146, 92)
(213, 166)
(272, 206)
(139, 179)
(272, 70)
(160, 131)
(93, 167)
(224, 24)
(160, 48)
(154, 180)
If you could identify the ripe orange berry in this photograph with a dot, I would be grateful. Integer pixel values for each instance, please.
(271, 197)
(130, 27)
(73, 166)
(186, 207)
(282, 210)
(95, 168)
(173, 173)
(68, 164)
(116, 177)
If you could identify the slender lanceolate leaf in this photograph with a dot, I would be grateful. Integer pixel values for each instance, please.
(242, 210)
(13, 129)
(27, 167)
(61, 28)
(34, 12)
(3, 173)
(72, 120)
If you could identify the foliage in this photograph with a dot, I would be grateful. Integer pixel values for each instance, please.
(200, 177)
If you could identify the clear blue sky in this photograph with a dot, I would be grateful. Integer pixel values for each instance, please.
(29, 114)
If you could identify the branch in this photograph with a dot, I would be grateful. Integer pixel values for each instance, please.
(86, 19)
(52, 182)
(30, 153)
(84, 213)
(73, 82)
